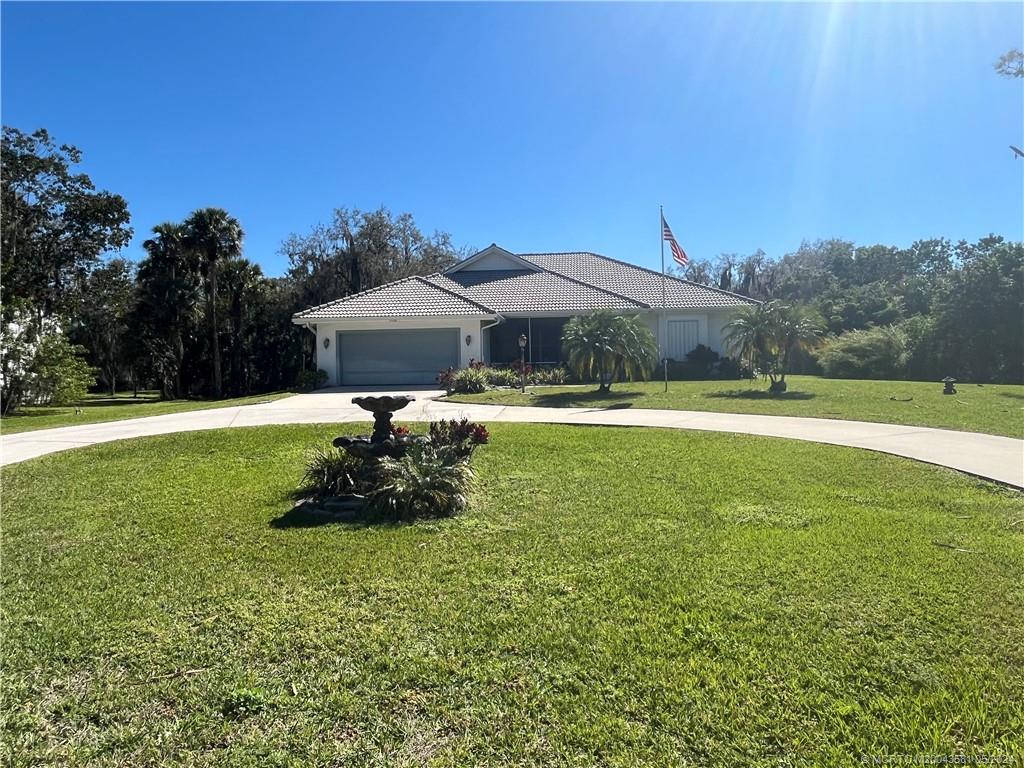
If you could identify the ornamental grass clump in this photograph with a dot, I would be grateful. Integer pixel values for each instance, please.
(332, 472)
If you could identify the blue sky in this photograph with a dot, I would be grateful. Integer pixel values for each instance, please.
(538, 126)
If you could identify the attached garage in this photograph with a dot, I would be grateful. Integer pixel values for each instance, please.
(396, 357)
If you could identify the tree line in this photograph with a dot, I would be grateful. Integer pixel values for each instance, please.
(937, 307)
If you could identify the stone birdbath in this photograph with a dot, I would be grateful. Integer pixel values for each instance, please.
(383, 441)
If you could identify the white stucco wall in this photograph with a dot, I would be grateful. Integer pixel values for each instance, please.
(710, 326)
(327, 358)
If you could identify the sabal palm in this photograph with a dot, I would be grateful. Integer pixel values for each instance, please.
(604, 345)
(170, 276)
(241, 280)
(213, 236)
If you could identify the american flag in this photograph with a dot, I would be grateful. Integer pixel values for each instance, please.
(678, 254)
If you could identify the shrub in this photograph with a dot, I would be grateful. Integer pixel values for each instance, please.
(446, 379)
(702, 355)
(467, 381)
(502, 377)
(332, 472)
(458, 438)
(872, 353)
(423, 483)
(307, 381)
(549, 376)
(60, 374)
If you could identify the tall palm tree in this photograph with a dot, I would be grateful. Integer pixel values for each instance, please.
(242, 281)
(169, 279)
(766, 335)
(213, 236)
(607, 346)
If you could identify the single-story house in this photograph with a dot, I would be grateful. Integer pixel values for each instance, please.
(407, 331)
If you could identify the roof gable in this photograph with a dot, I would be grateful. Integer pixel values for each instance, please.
(492, 258)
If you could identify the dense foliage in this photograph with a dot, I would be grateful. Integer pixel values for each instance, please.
(959, 304)
(479, 376)
(872, 353)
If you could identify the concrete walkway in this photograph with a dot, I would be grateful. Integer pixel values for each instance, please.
(988, 456)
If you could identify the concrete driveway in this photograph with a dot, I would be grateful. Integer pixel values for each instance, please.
(988, 456)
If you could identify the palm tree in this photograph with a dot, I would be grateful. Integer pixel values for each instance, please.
(766, 335)
(168, 279)
(607, 346)
(242, 281)
(213, 236)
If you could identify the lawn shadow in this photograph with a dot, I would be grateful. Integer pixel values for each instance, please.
(309, 514)
(759, 394)
(1013, 395)
(105, 402)
(593, 399)
(23, 414)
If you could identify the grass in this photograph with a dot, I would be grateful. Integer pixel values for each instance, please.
(997, 409)
(98, 408)
(616, 597)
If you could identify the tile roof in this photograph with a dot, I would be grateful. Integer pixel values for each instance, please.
(569, 282)
(409, 297)
(515, 291)
(639, 284)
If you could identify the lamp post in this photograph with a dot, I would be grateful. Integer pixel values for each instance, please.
(522, 362)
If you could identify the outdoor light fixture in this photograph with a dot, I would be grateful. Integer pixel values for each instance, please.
(469, 339)
(327, 341)
(522, 362)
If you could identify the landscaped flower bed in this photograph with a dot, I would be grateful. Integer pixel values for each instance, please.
(419, 476)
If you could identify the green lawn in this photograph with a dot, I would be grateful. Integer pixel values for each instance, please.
(97, 408)
(616, 597)
(997, 409)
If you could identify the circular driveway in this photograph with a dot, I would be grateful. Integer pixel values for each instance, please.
(988, 456)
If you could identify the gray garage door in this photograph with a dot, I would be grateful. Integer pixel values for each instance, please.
(396, 357)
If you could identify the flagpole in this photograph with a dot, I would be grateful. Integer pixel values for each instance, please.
(663, 331)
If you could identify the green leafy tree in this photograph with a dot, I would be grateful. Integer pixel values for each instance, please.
(55, 223)
(977, 313)
(60, 374)
(40, 365)
(607, 346)
(214, 236)
(101, 321)
(766, 336)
